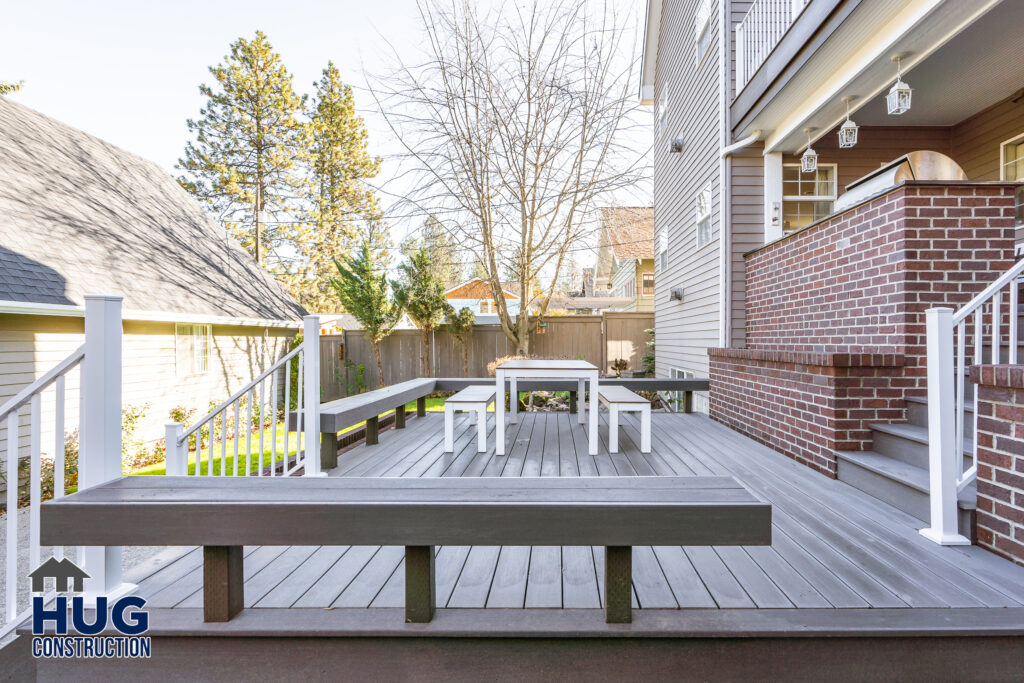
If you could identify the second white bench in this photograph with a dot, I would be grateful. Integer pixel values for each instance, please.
(618, 399)
(473, 399)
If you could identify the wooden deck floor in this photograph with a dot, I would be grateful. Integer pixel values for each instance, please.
(833, 546)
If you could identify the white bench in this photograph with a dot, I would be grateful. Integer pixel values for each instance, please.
(471, 399)
(618, 399)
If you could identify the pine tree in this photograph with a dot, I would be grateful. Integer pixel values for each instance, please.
(362, 289)
(442, 246)
(460, 327)
(249, 140)
(421, 295)
(340, 204)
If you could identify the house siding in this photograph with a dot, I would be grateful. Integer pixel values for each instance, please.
(688, 328)
(31, 345)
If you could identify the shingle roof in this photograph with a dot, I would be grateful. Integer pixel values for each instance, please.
(629, 231)
(80, 216)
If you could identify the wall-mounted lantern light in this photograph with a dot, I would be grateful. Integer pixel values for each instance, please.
(848, 131)
(898, 99)
(675, 294)
(809, 160)
(675, 146)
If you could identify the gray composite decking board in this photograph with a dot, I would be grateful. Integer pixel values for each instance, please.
(331, 583)
(544, 579)
(755, 582)
(579, 578)
(372, 576)
(254, 563)
(184, 585)
(916, 563)
(169, 574)
(274, 573)
(649, 582)
(814, 520)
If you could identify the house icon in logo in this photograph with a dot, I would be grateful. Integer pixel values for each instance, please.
(62, 572)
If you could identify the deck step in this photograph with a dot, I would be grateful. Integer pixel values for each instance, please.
(899, 484)
(917, 414)
(907, 442)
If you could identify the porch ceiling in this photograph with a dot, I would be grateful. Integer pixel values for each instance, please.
(962, 57)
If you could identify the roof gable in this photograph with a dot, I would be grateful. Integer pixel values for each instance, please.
(628, 231)
(476, 288)
(81, 216)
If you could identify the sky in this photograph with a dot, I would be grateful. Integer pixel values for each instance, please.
(128, 71)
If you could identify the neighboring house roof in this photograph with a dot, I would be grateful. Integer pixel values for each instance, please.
(628, 231)
(81, 216)
(475, 288)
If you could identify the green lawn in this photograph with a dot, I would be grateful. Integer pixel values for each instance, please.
(433, 405)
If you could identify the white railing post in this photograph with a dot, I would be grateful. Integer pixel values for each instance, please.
(176, 453)
(944, 454)
(99, 459)
(741, 57)
(311, 398)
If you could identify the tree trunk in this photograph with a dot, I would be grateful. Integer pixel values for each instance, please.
(380, 368)
(523, 332)
(465, 359)
(425, 357)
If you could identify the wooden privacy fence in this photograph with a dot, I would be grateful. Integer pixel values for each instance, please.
(600, 339)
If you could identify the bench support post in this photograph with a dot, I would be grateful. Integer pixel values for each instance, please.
(328, 451)
(223, 582)
(618, 584)
(572, 402)
(419, 584)
(687, 401)
(421, 406)
(400, 417)
(372, 426)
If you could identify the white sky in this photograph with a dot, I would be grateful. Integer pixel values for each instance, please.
(128, 71)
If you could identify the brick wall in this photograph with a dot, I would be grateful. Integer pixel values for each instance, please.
(805, 404)
(1001, 459)
(856, 285)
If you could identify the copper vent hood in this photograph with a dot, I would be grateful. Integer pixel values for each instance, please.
(914, 166)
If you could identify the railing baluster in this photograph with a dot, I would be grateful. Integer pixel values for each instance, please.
(1012, 322)
(287, 414)
(58, 449)
(960, 368)
(11, 573)
(273, 418)
(237, 427)
(300, 441)
(263, 422)
(35, 477)
(250, 407)
(996, 329)
(223, 442)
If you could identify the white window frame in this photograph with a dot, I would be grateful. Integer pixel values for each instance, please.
(703, 207)
(702, 30)
(200, 347)
(1019, 193)
(661, 113)
(661, 263)
(700, 398)
(810, 197)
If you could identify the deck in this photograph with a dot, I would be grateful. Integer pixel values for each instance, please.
(844, 570)
(833, 546)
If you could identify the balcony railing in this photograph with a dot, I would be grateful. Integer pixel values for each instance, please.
(760, 31)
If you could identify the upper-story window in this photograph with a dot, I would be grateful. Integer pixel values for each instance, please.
(487, 307)
(703, 210)
(647, 284)
(806, 197)
(661, 262)
(1012, 168)
(661, 113)
(702, 29)
(192, 346)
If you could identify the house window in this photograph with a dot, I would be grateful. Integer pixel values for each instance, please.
(192, 346)
(661, 113)
(702, 29)
(1012, 168)
(661, 263)
(700, 398)
(703, 210)
(647, 282)
(487, 306)
(806, 197)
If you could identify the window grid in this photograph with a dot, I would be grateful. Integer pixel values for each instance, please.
(806, 197)
(1012, 168)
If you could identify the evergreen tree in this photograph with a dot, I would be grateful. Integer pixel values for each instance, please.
(248, 142)
(7, 88)
(339, 201)
(420, 294)
(460, 327)
(443, 248)
(362, 289)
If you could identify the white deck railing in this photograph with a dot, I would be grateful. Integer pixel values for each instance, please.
(957, 340)
(265, 404)
(759, 32)
(98, 365)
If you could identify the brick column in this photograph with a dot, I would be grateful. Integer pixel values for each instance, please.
(1001, 458)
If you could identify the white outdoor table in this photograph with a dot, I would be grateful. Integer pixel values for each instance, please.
(515, 370)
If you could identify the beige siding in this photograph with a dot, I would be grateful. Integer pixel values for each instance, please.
(687, 328)
(976, 141)
(31, 345)
(746, 177)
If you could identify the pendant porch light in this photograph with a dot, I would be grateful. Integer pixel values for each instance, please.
(848, 131)
(809, 159)
(898, 99)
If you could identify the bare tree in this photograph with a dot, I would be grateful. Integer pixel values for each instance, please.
(514, 121)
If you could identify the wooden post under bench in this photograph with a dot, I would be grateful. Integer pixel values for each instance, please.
(400, 417)
(421, 406)
(618, 584)
(420, 585)
(223, 581)
(687, 401)
(328, 451)
(372, 428)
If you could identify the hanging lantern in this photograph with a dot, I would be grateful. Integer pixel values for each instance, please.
(898, 99)
(848, 131)
(809, 159)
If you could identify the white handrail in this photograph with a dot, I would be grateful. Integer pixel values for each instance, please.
(58, 370)
(989, 292)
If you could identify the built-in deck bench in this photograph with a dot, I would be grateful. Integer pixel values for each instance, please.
(474, 399)
(619, 399)
(420, 514)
